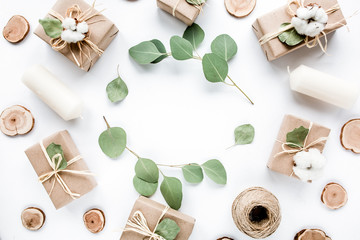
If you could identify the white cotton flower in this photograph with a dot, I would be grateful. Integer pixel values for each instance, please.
(309, 165)
(72, 36)
(310, 20)
(69, 23)
(82, 27)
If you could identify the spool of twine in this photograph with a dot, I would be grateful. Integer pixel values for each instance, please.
(256, 212)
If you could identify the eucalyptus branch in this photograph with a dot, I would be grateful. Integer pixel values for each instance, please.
(131, 151)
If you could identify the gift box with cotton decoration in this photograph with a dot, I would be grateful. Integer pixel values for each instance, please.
(298, 148)
(297, 24)
(78, 31)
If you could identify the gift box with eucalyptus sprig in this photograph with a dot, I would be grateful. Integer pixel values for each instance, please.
(78, 31)
(313, 19)
(185, 10)
(61, 169)
(150, 219)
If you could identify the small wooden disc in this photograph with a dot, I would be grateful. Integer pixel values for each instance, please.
(94, 220)
(240, 8)
(33, 218)
(16, 120)
(350, 136)
(334, 196)
(16, 29)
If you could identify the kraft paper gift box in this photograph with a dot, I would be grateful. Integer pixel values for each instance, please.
(284, 163)
(80, 184)
(271, 22)
(101, 32)
(152, 211)
(180, 9)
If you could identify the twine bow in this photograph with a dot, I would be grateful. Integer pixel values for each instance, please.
(58, 44)
(56, 172)
(199, 7)
(299, 148)
(310, 43)
(139, 225)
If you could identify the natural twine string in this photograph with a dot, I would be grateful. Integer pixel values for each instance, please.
(246, 202)
(199, 7)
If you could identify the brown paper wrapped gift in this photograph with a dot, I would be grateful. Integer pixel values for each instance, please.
(180, 9)
(101, 32)
(152, 211)
(271, 22)
(284, 163)
(80, 184)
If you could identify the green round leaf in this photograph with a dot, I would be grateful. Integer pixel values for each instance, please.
(52, 27)
(160, 46)
(145, 52)
(196, 2)
(171, 189)
(224, 46)
(194, 34)
(215, 68)
(181, 49)
(54, 149)
(144, 188)
(215, 171)
(113, 142)
(193, 173)
(168, 229)
(297, 137)
(291, 37)
(244, 134)
(147, 170)
(117, 90)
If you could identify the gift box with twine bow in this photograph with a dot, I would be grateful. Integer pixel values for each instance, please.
(101, 31)
(64, 182)
(146, 222)
(267, 27)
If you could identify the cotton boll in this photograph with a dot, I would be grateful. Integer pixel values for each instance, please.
(309, 164)
(321, 16)
(303, 174)
(312, 11)
(71, 36)
(299, 24)
(303, 159)
(314, 28)
(318, 160)
(69, 23)
(82, 27)
(302, 13)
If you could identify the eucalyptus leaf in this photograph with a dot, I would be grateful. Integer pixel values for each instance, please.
(145, 52)
(291, 37)
(297, 137)
(224, 46)
(196, 2)
(54, 149)
(194, 34)
(215, 68)
(215, 171)
(52, 27)
(181, 49)
(160, 46)
(193, 173)
(171, 189)
(147, 170)
(113, 141)
(117, 90)
(144, 188)
(168, 229)
(244, 134)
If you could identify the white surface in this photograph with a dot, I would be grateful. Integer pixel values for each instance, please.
(53, 92)
(173, 115)
(324, 87)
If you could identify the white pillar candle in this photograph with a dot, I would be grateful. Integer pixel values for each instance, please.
(324, 87)
(53, 92)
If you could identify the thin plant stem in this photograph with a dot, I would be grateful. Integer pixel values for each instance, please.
(107, 124)
(235, 85)
(162, 173)
(174, 166)
(131, 151)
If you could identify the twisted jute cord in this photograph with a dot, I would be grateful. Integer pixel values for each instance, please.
(56, 172)
(310, 43)
(297, 148)
(199, 7)
(138, 224)
(246, 202)
(58, 44)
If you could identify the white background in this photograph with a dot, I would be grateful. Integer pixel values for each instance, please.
(173, 115)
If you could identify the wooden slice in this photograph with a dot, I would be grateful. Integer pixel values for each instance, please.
(334, 196)
(33, 218)
(16, 120)
(16, 29)
(94, 220)
(240, 8)
(350, 135)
